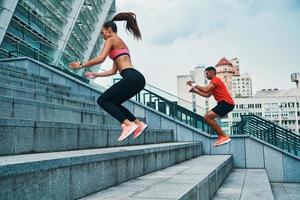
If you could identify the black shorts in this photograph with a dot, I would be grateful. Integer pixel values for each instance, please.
(222, 108)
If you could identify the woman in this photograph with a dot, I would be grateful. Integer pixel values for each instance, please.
(132, 81)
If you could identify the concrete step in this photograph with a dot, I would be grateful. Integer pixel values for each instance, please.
(286, 191)
(26, 93)
(47, 87)
(42, 89)
(12, 67)
(246, 184)
(198, 178)
(27, 136)
(75, 174)
(12, 107)
(29, 77)
(19, 71)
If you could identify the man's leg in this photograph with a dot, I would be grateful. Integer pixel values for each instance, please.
(210, 120)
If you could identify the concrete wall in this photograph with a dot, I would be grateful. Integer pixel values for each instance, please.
(247, 151)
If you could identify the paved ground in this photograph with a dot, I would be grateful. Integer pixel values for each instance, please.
(286, 191)
(245, 184)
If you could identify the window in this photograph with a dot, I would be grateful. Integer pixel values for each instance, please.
(284, 113)
(275, 105)
(267, 106)
(291, 104)
(258, 114)
(268, 114)
(257, 105)
(292, 113)
(283, 105)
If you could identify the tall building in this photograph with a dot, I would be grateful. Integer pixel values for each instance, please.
(225, 71)
(238, 85)
(55, 32)
(241, 86)
(235, 66)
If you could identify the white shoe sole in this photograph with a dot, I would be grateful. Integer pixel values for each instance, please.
(128, 134)
(225, 142)
(143, 129)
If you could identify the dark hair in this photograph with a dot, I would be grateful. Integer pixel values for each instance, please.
(131, 24)
(211, 68)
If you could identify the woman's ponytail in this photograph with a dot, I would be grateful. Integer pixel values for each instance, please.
(131, 23)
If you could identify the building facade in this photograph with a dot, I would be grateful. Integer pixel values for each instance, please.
(238, 85)
(241, 86)
(54, 32)
(280, 106)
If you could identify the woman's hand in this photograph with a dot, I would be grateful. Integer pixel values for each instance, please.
(75, 65)
(91, 75)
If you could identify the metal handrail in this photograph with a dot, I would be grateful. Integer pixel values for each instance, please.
(269, 132)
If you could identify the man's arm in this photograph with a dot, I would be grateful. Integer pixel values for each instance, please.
(203, 94)
(205, 89)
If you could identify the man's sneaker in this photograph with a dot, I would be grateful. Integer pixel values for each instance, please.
(140, 130)
(222, 140)
(127, 130)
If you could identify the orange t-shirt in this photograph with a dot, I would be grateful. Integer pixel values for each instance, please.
(220, 92)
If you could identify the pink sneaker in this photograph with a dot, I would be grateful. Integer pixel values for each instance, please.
(140, 130)
(222, 140)
(127, 130)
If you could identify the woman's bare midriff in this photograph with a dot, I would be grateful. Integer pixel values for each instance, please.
(123, 62)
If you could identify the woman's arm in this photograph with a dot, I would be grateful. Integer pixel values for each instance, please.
(102, 56)
(110, 72)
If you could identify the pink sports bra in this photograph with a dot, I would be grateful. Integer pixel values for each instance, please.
(114, 54)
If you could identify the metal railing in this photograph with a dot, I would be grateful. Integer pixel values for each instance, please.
(173, 106)
(269, 132)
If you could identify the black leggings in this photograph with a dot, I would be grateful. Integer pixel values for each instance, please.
(130, 85)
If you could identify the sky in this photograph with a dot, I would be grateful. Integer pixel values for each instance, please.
(179, 35)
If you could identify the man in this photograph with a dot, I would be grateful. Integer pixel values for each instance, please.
(225, 102)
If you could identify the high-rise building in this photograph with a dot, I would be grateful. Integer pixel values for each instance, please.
(238, 85)
(55, 32)
(235, 66)
(241, 86)
(225, 71)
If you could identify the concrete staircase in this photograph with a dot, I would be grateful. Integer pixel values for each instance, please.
(58, 145)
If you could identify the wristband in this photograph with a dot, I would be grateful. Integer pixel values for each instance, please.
(193, 85)
(80, 65)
